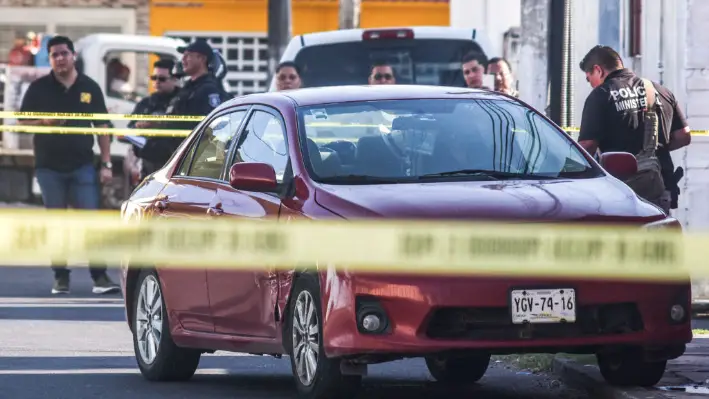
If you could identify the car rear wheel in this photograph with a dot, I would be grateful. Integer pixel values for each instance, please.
(159, 359)
(457, 370)
(316, 375)
(630, 369)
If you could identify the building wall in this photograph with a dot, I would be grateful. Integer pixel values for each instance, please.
(141, 24)
(491, 17)
(73, 18)
(308, 15)
(238, 29)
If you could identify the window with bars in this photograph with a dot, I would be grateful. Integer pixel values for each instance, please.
(246, 56)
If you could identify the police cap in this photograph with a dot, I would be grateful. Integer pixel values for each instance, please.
(199, 46)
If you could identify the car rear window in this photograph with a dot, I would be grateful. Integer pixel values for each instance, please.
(416, 61)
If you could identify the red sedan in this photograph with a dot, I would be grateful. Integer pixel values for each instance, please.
(411, 152)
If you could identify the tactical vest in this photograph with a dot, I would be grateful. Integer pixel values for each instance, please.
(648, 182)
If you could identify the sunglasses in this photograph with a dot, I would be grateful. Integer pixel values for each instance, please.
(381, 76)
(159, 78)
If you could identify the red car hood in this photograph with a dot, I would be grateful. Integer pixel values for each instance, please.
(599, 199)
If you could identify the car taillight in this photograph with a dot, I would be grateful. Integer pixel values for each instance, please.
(388, 34)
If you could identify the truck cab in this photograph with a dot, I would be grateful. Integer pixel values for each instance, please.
(429, 55)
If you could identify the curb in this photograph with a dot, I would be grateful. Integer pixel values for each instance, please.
(588, 378)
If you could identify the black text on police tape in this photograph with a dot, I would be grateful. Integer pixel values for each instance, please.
(176, 240)
(30, 238)
(118, 240)
(648, 250)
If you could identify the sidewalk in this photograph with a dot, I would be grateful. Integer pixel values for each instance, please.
(690, 370)
(685, 377)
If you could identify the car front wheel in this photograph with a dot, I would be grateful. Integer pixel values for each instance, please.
(458, 370)
(316, 375)
(630, 369)
(159, 359)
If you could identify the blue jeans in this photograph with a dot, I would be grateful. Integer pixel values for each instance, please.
(79, 189)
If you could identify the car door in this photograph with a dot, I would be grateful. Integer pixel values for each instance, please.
(187, 195)
(243, 302)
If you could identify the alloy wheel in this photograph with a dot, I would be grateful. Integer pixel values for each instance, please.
(306, 334)
(149, 319)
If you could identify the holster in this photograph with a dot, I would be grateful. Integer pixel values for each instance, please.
(677, 176)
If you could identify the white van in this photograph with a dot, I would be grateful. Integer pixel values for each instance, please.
(428, 55)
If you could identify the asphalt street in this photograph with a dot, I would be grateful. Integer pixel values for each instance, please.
(78, 346)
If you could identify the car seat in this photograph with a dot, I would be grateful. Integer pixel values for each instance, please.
(375, 158)
(346, 151)
(314, 156)
(331, 163)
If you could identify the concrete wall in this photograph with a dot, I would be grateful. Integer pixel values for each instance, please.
(533, 82)
(586, 32)
(494, 17)
(674, 53)
(142, 19)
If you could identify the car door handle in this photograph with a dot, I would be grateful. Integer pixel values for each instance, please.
(212, 211)
(161, 205)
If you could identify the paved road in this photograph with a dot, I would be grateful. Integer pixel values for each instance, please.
(701, 321)
(78, 346)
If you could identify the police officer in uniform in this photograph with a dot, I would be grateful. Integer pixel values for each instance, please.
(614, 112)
(201, 94)
(166, 88)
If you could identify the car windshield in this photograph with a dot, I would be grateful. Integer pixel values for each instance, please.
(416, 61)
(397, 141)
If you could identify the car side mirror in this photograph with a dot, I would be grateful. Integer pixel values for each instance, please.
(253, 176)
(621, 165)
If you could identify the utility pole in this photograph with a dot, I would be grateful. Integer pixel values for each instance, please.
(279, 32)
(349, 14)
(560, 62)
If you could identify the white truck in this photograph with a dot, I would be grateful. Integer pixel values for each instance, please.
(428, 55)
(95, 54)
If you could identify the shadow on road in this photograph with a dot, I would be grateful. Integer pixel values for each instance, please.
(218, 377)
(36, 282)
(58, 311)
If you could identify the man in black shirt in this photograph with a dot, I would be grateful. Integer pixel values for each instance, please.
(613, 115)
(202, 93)
(64, 163)
(166, 88)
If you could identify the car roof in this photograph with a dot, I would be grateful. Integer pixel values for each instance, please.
(339, 94)
(420, 32)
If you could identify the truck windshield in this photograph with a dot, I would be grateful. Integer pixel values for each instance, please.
(416, 61)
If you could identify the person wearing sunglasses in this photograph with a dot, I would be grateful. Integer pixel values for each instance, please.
(382, 74)
(166, 86)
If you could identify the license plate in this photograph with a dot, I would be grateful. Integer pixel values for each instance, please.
(543, 306)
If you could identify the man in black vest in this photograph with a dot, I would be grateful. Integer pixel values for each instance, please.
(166, 89)
(613, 115)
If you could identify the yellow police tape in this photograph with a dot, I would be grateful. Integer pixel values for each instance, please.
(92, 131)
(385, 246)
(96, 117)
(161, 132)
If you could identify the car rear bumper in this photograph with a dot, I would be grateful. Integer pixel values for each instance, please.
(438, 314)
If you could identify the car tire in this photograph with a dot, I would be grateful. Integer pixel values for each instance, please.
(458, 370)
(327, 380)
(159, 359)
(630, 369)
